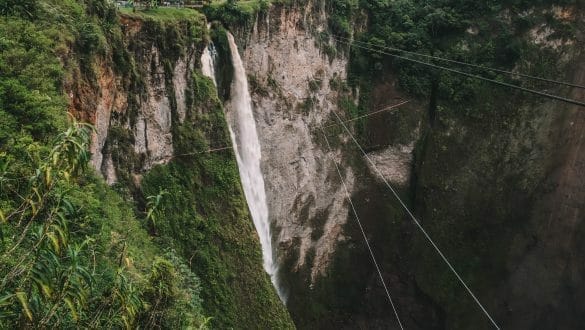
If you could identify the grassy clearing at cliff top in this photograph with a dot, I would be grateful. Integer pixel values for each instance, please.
(164, 14)
(240, 13)
(250, 6)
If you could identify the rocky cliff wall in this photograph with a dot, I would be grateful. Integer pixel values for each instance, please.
(156, 118)
(307, 205)
(477, 173)
(139, 104)
(297, 82)
(497, 188)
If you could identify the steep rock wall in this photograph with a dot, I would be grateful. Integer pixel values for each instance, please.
(548, 254)
(297, 83)
(283, 59)
(156, 117)
(479, 180)
(140, 104)
(498, 192)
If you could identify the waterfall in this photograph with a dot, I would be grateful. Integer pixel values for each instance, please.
(208, 62)
(242, 127)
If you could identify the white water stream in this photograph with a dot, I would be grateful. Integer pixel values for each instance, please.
(244, 137)
(208, 62)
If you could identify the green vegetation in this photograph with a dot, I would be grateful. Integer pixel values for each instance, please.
(234, 13)
(164, 14)
(76, 254)
(340, 15)
(73, 253)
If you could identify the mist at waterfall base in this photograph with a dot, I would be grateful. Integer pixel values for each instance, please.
(244, 135)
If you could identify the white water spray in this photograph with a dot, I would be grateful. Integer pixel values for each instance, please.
(244, 137)
(208, 62)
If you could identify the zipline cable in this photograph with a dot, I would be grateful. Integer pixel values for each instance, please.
(204, 152)
(361, 227)
(476, 66)
(416, 221)
(388, 108)
(469, 75)
(392, 107)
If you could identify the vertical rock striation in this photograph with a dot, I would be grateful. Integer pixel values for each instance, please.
(135, 110)
(307, 204)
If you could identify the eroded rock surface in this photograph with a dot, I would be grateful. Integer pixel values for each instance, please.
(291, 77)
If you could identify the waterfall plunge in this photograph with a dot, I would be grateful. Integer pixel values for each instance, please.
(244, 137)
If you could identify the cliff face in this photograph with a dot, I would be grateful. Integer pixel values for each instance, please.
(548, 253)
(297, 83)
(493, 180)
(293, 97)
(156, 117)
(139, 104)
(499, 190)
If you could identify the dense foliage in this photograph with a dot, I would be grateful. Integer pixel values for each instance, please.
(236, 14)
(72, 252)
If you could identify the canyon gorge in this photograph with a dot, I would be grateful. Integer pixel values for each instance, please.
(225, 142)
